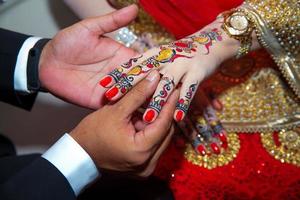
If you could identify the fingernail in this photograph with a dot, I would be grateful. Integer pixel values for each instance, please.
(217, 104)
(224, 145)
(149, 115)
(201, 150)
(215, 148)
(152, 76)
(223, 137)
(112, 93)
(179, 115)
(105, 81)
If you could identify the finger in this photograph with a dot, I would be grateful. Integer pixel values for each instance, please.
(218, 130)
(159, 151)
(165, 87)
(138, 95)
(160, 56)
(217, 104)
(192, 135)
(201, 100)
(156, 131)
(187, 92)
(115, 75)
(132, 75)
(206, 133)
(112, 21)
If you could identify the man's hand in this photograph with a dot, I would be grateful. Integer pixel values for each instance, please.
(73, 62)
(117, 140)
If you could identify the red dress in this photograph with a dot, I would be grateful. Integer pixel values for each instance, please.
(254, 173)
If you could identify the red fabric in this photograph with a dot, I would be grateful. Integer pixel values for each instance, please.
(184, 17)
(254, 174)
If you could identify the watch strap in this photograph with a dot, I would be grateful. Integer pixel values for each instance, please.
(33, 82)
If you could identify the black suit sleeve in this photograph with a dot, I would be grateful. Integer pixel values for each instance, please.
(10, 44)
(38, 180)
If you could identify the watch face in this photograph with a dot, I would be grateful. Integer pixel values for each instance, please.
(239, 22)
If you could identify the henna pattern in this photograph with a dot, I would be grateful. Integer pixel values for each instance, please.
(206, 133)
(208, 38)
(184, 103)
(129, 64)
(168, 54)
(218, 130)
(159, 100)
(183, 46)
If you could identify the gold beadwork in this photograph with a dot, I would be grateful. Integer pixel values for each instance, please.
(277, 26)
(211, 160)
(288, 151)
(263, 103)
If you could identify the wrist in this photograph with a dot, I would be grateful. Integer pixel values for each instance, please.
(43, 61)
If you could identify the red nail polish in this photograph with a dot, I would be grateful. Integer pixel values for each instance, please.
(224, 145)
(179, 115)
(223, 137)
(215, 148)
(111, 93)
(149, 115)
(201, 150)
(105, 81)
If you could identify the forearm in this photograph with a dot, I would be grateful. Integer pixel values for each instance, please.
(84, 9)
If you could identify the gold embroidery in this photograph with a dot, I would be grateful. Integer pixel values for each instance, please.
(263, 103)
(210, 160)
(277, 25)
(289, 149)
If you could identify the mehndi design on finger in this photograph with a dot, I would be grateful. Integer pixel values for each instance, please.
(183, 104)
(206, 133)
(218, 130)
(115, 75)
(157, 102)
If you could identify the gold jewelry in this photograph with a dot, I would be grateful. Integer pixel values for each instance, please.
(238, 25)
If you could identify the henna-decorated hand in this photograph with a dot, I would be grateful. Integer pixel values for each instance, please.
(71, 62)
(205, 133)
(188, 60)
(202, 127)
(117, 140)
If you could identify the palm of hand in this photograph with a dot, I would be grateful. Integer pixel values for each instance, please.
(77, 58)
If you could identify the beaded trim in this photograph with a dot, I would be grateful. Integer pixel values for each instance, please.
(277, 27)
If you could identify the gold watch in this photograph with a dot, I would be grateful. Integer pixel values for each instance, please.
(239, 26)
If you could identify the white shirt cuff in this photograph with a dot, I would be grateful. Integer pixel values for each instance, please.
(73, 162)
(20, 74)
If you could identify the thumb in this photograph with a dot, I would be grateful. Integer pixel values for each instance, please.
(112, 21)
(138, 94)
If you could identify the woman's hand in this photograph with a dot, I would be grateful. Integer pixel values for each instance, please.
(202, 127)
(188, 60)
